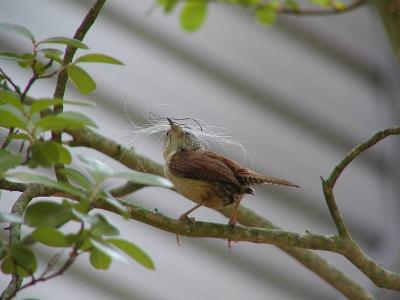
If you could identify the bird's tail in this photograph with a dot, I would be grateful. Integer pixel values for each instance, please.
(256, 179)
(275, 180)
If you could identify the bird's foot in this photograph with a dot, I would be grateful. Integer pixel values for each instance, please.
(232, 223)
(178, 240)
(186, 219)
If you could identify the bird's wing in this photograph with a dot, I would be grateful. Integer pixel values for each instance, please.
(202, 165)
(249, 177)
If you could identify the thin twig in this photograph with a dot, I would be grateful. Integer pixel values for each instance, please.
(286, 10)
(386, 278)
(320, 11)
(62, 77)
(6, 77)
(18, 209)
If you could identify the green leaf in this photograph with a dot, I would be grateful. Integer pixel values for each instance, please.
(101, 226)
(15, 56)
(24, 257)
(9, 160)
(50, 237)
(18, 136)
(48, 153)
(83, 216)
(96, 168)
(77, 177)
(52, 51)
(133, 251)
(292, 4)
(193, 15)
(41, 104)
(107, 250)
(266, 15)
(98, 58)
(322, 3)
(7, 97)
(65, 41)
(8, 265)
(29, 177)
(81, 79)
(86, 103)
(17, 29)
(39, 68)
(47, 214)
(108, 198)
(10, 120)
(65, 120)
(339, 5)
(99, 260)
(53, 54)
(144, 178)
(168, 5)
(10, 218)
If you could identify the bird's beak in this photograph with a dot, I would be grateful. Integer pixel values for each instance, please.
(172, 124)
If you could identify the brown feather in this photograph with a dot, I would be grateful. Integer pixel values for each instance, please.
(211, 167)
(201, 165)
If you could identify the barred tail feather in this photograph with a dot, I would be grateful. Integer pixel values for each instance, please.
(260, 179)
(276, 181)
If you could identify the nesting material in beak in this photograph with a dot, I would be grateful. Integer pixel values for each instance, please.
(172, 124)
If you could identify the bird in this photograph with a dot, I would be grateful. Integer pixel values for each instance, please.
(205, 177)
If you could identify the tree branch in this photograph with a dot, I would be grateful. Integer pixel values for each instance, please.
(62, 77)
(290, 10)
(30, 192)
(376, 273)
(389, 11)
(321, 11)
(270, 234)
(311, 260)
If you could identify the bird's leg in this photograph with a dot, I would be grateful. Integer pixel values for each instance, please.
(184, 216)
(232, 220)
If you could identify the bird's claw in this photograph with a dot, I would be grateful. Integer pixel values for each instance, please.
(187, 220)
(232, 223)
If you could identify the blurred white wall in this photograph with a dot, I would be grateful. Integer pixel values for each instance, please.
(299, 95)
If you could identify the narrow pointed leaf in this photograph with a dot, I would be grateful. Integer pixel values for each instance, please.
(17, 29)
(144, 178)
(50, 237)
(65, 120)
(81, 79)
(133, 251)
(77, 177)
(108, 198)
(65, 41)
(41, 104)
(86, 103)
(96, 168)
(98, 58)
(109, 251)
(29, 177)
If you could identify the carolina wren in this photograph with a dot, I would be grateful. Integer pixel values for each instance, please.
(208, 178)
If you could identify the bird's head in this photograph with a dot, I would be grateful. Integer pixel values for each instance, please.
(178, 139)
